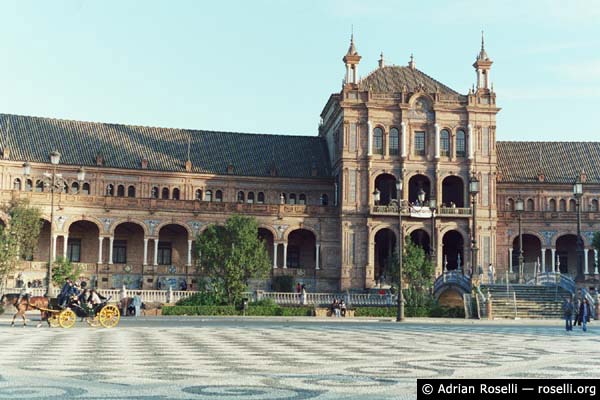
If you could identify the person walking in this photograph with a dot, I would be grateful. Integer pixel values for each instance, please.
(491, 274)
(137, 303)
(568, 310)
(584, 314)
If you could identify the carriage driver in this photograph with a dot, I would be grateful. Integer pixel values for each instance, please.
(25, 293)
(67, 291)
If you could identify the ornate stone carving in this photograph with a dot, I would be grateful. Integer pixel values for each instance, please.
(60, 221)
(195, 225)
(107, 222)
(280, 229)
(588, 235)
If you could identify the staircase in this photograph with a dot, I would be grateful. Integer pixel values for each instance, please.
(525, 301)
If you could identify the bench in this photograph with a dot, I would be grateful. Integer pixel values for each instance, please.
(326, 312)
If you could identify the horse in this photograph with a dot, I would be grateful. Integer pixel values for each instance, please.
(35, 303)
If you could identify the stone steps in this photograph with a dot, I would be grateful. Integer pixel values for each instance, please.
(538, 302)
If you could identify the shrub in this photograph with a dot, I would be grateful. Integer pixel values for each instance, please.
(284, 283)
(375, 312)
(203, 298)
(1, 310)
(264, 303)
(199, 310)
(266, 311)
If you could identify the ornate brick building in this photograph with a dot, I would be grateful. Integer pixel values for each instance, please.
(327, 205)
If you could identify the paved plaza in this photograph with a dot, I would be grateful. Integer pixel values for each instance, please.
(199, 358)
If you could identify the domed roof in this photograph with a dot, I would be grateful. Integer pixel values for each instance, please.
(394, 79)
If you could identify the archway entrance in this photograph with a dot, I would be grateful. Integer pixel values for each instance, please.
(43, 246)
(385, 247)
(532, 252)
(82, 245)
(453, 250)
(566, 254)
(386, 184)
(453, 192)
(266, 237)
(415, 184)
(421, 239)
(301, 249)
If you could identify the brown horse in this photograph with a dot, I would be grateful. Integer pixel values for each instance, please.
(35, 303)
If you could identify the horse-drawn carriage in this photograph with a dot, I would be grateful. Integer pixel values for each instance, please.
(103, 314)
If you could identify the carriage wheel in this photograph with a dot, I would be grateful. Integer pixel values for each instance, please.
(54, 322)
(67, 318)
(109, 316)
(93, 322)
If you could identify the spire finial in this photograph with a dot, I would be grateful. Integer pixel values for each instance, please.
(381, 61)
(482, 54)
(411, 63)
(482, 42)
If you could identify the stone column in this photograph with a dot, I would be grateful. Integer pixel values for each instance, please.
(553, 250)
(470, 142)
(437, 141)
(155, 251)
(403, 138)
(317, 255)
(189, 255)
(100, 242)
(275, 248)
(110, 249)
(543, 259)
(145, 261)
(585, 262)
(285, 255)
(595, 262)
(369, 139)
(510, 260)
(54, 237)
(66, 241)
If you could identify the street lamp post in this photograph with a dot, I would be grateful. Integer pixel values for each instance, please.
(432, 207)
(578, 192)
(519, 206)
(400, 310)
(473, 190)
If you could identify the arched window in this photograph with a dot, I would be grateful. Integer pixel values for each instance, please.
(302, 199)
(208, 195)
(261, 198)
(460, 143)
(324, 199)
(85, 189)
(120, 191)
(154, 192)
(39, 186)
(75, 188)
(572, 206)
(445, 143)
(165, 194)
(552, 205)
(530, 205)
(510, 205)
(562, 204)
(131, 191)
(393, 142)
(292, 199)
(110, 189)
(378, 141)
(17, 184)
(198, 195)
(240, 197)
(28, 185)
(176, 194)
(250, 197)
(219, 196)
(594, 205)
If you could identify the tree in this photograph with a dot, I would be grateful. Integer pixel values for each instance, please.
(230, 255)
(417, 274)
(596, 242)
(63, 269)
(18, 239)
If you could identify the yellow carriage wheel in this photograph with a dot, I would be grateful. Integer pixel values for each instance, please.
(109, 316)
(67, 318)
(54, 322)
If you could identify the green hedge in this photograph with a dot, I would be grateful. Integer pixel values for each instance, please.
(1, 310)
(390, 312)
(234, 311)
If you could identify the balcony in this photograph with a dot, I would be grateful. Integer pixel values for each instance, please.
(421, 212)
(156, 205)
(551, 216)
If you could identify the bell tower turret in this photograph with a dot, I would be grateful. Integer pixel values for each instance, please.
(351, 60)
(483, 65)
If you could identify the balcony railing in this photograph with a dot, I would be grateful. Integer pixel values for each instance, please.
(421, 212)
(152, 205)
(567, 216)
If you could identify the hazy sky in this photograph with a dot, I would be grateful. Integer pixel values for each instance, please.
(270, 66)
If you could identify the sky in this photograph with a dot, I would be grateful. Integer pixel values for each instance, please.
(270, 66)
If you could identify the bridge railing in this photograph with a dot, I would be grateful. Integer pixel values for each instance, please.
(452, 278)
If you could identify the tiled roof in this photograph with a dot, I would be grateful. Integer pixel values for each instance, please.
(559, 162)
(124, 146)
(393, 78)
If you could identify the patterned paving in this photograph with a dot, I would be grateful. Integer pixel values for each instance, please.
(179, 359)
